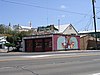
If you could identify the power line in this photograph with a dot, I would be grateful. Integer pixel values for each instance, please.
(97, 7)
(83, 18)
(80, 20)
(88, 23)
(37, 6)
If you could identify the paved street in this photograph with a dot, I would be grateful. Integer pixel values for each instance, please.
(61, 63)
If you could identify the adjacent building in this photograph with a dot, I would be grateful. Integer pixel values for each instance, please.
(2, 42)
(88, 40)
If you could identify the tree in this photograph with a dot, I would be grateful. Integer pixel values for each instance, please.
(5, 29)
(14, 36)
(2, 28)
(9, 45)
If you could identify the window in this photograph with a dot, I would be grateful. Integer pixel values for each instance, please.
(38, 44)
(48, 43)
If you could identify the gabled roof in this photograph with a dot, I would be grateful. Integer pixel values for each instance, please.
(61, 28)
(67, 29)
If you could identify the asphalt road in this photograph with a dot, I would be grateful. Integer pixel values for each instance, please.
(86, 63)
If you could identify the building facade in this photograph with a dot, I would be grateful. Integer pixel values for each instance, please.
(50, 42)
(88, 40)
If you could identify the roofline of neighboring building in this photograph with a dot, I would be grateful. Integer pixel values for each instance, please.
(90, 31)
(47, 35)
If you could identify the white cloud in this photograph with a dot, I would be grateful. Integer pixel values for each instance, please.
(62, 6)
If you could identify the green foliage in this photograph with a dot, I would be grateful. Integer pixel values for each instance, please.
(9, 44)
(5, 29)
(9, 39)
(13, 36)
(2, 28)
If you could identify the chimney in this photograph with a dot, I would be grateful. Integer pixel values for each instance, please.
(52, 28)
(59, 24)
(30, 24)
(9, 24)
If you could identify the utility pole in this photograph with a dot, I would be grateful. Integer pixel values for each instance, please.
(94, 17)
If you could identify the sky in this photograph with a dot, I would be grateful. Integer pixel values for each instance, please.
(45, 12)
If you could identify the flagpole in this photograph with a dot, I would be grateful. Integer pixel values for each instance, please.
(94, 17)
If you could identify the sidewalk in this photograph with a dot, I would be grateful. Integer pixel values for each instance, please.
(3, 50)
(4, 53)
